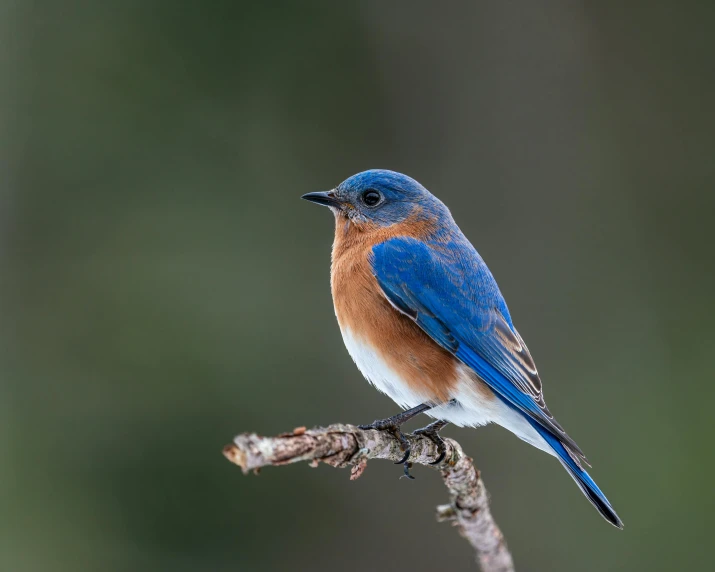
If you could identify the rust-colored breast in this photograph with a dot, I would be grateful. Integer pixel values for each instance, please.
(362, 308)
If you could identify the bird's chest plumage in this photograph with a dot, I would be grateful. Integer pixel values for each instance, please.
(391, 351)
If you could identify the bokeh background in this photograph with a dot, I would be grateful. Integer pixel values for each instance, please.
(163, 288)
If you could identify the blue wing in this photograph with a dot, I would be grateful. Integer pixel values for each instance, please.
(446, 288)
(449, 291)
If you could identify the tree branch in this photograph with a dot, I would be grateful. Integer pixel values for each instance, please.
(346, 445)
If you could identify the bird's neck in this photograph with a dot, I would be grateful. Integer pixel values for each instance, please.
(353, 238)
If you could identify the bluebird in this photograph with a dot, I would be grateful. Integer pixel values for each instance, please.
(424, 320)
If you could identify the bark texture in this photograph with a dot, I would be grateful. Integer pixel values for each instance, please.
(344, 446)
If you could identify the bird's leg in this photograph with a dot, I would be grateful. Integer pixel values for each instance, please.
(432, 433)
(392, 424)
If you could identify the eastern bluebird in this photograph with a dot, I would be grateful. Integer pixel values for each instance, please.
(425, 322)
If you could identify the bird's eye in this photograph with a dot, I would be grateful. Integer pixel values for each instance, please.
(371, 197)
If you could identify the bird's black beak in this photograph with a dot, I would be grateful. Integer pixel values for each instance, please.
(325, 198)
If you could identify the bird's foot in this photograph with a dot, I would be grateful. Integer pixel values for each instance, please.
(432, 433)
(392, 424)
(394, 429)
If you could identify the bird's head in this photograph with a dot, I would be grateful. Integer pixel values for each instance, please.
(380, 198)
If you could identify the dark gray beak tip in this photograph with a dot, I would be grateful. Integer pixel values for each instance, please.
(325, 198)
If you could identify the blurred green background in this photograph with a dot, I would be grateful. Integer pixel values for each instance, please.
(163, 288)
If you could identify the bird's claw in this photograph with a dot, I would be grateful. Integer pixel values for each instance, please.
(408, 466)
(432, 434)
(382, 425)
(404, 459)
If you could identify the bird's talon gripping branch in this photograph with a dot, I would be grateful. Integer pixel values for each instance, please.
(393, 429)
(403, 461)
(404, 444)
(392, 425)
(432, 433)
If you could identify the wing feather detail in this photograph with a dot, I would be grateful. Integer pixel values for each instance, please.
(452, 296)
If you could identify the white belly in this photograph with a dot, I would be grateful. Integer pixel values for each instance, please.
(378, 373)
(473, 408)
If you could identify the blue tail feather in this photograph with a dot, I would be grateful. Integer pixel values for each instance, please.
(582, 478)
